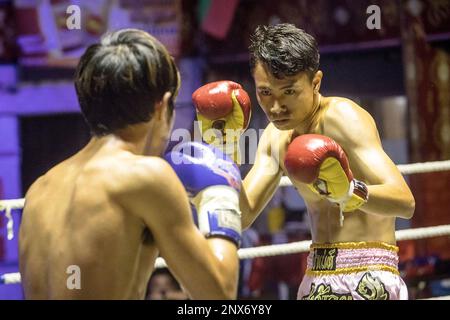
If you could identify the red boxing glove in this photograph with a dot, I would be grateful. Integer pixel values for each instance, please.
(320, 162)
(226, 107)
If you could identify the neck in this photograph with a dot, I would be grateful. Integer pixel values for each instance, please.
(132, 139)
(306, 125)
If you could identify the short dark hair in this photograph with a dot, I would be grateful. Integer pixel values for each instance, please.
(284, 49)
(119, 80)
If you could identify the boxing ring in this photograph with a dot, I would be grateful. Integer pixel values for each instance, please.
(279, 249)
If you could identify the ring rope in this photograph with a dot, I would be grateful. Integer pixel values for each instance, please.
(412, 168)
(288, 248)
(271, 250)
(437, 298)
(8, 206)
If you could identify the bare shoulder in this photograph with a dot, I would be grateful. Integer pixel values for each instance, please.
(346, 121)
(151, 190)
(146, 179)
(49, 178)
(35, 191)
(36, 186)
(141, 173)
(345, 111)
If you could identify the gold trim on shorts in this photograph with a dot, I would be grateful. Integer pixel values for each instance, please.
(355, 245)
(375, 267)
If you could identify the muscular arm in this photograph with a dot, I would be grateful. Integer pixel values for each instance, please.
(355, 130)
(262, 181)
(207, 268)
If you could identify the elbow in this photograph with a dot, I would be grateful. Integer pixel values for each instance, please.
(226, 276)
(229, 291)
(221, 289)
(409, 208)
(229, 277)
(247, 218)
(246, 223)
(229, 282)
(226, 290)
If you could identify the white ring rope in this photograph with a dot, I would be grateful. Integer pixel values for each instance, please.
(412, 168)
(303, 246)
(272, 250)
(10, 278)
(12, 204)
(437, 298)
(423, 167)
(8, 206)
(288, 248)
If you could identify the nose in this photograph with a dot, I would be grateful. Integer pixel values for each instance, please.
(277, 108)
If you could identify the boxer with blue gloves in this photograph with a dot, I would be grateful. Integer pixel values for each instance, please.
(111, 209)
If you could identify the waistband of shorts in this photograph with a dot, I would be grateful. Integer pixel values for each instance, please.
(352, 257)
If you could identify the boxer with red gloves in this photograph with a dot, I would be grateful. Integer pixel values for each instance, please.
(330, 149)
(320, 162)
(223, 112)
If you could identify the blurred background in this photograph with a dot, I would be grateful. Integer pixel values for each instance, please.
(397, 68)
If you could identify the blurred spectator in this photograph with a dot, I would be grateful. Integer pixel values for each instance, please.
(163, 286)
(250, 239)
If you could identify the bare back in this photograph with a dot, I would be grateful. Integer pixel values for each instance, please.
(73, 212)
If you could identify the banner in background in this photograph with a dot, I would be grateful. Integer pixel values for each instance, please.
(336, 24)
(45, 38)
(427, 82)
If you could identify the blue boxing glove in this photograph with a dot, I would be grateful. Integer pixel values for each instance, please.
(213, 182)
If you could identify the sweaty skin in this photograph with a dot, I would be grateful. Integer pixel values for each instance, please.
(294, 107)
(110, 211)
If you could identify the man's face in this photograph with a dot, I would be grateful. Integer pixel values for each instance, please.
(287, 102)
(160, 287)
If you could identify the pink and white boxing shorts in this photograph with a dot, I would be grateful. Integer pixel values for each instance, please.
(353, 271)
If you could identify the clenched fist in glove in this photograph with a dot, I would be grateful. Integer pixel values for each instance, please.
(224, 111)
(213, 183)
(322, 164)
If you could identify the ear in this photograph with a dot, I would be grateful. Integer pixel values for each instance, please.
(162, 107)
(317, 81)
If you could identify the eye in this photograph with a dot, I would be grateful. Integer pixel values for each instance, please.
(264, 92)
(289, 92)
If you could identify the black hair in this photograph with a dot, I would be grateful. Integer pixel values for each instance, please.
(285, 50)
(119, 80)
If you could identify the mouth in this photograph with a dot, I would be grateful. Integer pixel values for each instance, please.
(280, 122)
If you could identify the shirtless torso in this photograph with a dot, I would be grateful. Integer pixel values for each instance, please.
(76, 211)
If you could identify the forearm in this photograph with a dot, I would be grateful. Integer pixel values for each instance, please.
(253, 198)
(389, 200)
(227, 263)
(248, 210)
